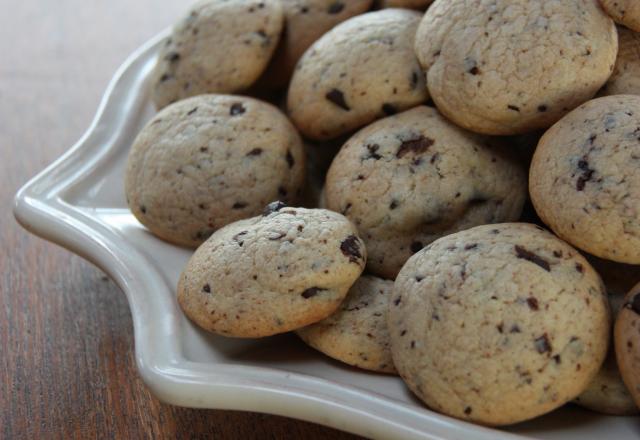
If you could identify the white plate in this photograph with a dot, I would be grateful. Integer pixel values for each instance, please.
(78, 202)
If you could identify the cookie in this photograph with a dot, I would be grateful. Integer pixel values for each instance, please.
(409, 179)
(411, 4)
(512, 66)
(271, 274)
(625, 79)
(607, 393)
(357, 333)
(498, 324)
(625, 12)
(208, 161)
(361, 70)
(219, 47)
(584, 182)
(627, 342)
(306, 21)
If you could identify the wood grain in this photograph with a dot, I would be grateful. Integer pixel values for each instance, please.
(66, 356)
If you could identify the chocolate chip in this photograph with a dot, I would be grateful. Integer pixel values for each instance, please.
(206, 288)
(389, 109)
(172, 57)
(530, 256)
(467, 410)
(416, 246)
(542, 108)
(533, 303)
(514, 329)
(255, 152)
(557, 359)
(346, 209)
(239, 205)
(165, 77)
(474, 70)
(579, 268)
(312, 291)
(587, 174)
(394, 204)
(419, 278)
(192, 111)
(557, 254)
(514, 108)
(337, 97)
(335, 8)
(500, 327)
(413, 344)
(237, 239)
(143, 209)
(273, 207)
(350, 247)
(237, 109)
(397, 301)
(372, 149)
(417, 145)
(542, 344)
(290, 161)
(470, 246)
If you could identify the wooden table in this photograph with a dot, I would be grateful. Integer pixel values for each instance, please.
(66, 353)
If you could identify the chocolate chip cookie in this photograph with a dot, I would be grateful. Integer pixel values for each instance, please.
(498, 324)
(627, 342)
(361, 70)
(411, 178)
(210, 160)
(305, 22)
(584, 179)
(625, 12)
(271, 274)
(219, 47)
(357, 333)
(512, 66)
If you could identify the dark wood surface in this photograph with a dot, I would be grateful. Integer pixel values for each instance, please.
(66, 353)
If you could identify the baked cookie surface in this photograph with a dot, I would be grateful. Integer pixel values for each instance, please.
(512, 66)
(210, 160)
(625, 79)
(584, 179)
(627, 342)
(219, 47)
(271, 274)
(306, 21)
(361, 70)
(409, 179)
(357, 333)
(625, 12)
(498, 324)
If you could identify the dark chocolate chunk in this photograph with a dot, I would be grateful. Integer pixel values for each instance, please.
(273, 207)
(417, 145)
(372, 149)
(172, 57)
(397, 301)
(530, 256)
(542, 344)
(542, 108)
(239, 205)
(533, 303)
(335, 8)
(470, 246)
(579, 267)
(467, 410)
(165, 77)
(237, 109)
(474, 70)
(337, 97)
(255, 152)
(206, 288)
(192, 111)
(310, 292)
(394, 204)
(587, 174)
(350, 247)
(143, 209)
(514, 329)
(514, 108)
(237, 239)
(290, 160)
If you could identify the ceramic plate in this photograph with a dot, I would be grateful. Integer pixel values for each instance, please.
(78, 202)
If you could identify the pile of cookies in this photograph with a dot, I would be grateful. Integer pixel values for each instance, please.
(356, 172)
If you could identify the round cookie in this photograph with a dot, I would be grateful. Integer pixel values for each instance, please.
(512, 66)
(498, 324)
(409, 179)
(306, 21)
(627, 342)
(607, 393)
(357, 334)
(210, 160)
(272, 274)
(411, 4)
(359, 71)
(625, 79)
(584, 182)
(219, 47)
(625, 12)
